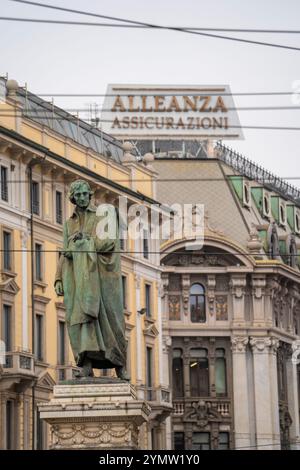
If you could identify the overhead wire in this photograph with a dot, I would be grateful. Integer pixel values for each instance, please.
(161, 27)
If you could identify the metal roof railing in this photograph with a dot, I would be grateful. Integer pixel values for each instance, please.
(255, 172)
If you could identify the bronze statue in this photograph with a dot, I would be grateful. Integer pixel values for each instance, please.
(89, 277)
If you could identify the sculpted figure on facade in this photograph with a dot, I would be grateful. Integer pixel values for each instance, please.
(89, 277)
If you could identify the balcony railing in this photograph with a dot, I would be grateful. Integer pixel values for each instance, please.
(4, 193)
(253, 171)
(222, 406)
(18, 362)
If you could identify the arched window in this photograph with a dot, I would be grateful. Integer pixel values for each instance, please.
(197, 303)
(220, 372)
(199, 374)
(177, 374)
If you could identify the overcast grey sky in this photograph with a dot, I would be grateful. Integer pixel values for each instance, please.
(81, 59)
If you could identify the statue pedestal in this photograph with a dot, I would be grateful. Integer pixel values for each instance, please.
(94, 414)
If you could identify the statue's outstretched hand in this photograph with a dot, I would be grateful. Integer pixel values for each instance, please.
(59, 288)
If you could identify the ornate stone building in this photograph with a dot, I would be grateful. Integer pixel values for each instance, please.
(231, 310)
(42, 150)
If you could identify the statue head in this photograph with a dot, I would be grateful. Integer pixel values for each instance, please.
(80, 193)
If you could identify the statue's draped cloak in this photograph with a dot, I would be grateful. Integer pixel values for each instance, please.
(93, 292)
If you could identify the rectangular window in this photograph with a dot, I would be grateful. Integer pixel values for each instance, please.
(124, 291)
(199, 373)
(39, 337)
(7, 251)
(145, 244)
(62, 342)
(35, 198)
(7, 327)
(39, 432)
(4, 184)
(148, 300)
(220, 372)
(9, 424)
(179, 441)
(58, 202)
(201, 441)
(149, 373)
(38, 262)
(223, 443)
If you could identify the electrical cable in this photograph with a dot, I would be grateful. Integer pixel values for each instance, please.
(150, 25)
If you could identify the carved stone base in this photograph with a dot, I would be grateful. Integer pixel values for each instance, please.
(94, 414)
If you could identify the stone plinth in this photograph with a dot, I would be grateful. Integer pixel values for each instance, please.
(94, 414)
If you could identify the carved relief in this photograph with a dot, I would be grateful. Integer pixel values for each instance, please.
(221, 307)
(222, 283)
(89, 435)
(202, 413)
(238, 286)
(174, 282)
(263, 344)
(174, 307)
(204, 259)
(186, 292)
(239, 343)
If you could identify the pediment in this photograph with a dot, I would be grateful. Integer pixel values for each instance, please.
(46, 381)
(9, 286)
(151, 330)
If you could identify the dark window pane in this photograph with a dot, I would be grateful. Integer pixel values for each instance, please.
(7, 327)
(38, 262)
(4, 184)
(9, 425)
(39, 432)
(201, 441)
(35, 198)
(149, 373)
(39, 337)
(58, 207)
(62, 342)
(148, 299)
(223, 441)
(7, 250)
(197, 304)
(124, 290)
(220, 371)
(177, 373)
(199, 374)
(146, 244)
(178, 440)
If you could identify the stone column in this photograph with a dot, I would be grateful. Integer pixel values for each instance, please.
(266, 392)
(166, 364)
(258, 283)
(293, 398)
(237, 287)
(242, 434)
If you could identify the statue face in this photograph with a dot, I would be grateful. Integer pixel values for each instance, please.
(82, 196)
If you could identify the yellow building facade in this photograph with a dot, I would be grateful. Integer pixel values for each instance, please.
(42, 150)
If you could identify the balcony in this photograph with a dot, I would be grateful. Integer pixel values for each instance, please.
(17, 371)
(221, 405)
(160, 401)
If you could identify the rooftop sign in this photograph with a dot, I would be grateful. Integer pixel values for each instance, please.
(168, 111)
